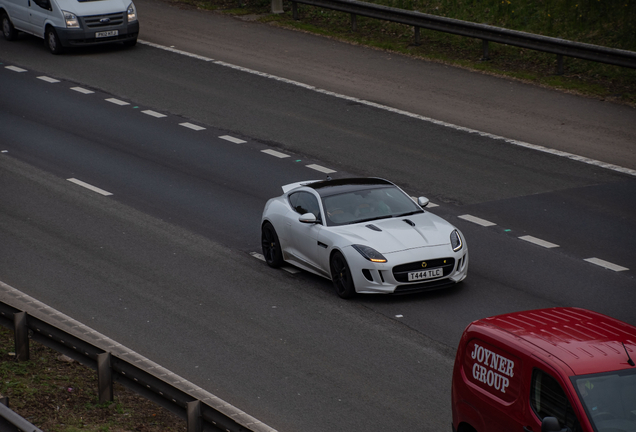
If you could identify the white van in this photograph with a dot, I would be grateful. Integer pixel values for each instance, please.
(68, 23)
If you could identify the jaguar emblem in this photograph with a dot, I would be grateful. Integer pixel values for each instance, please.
(424, 264)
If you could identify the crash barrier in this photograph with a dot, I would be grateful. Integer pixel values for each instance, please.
(486, 33)
(12, 422)
(114, 363)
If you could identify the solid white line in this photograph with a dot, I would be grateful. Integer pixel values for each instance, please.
(15, 69)
(88, 186)
(192, 126)
(154, 113)
(48, 79)
(275, 153)
(478, 221)
(117, 101)
(535, 147)
(320, 168)
(539, 242)
(606, 264)
(82, 90)
(232, 139)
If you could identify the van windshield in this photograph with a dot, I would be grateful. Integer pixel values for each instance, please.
(609, 399)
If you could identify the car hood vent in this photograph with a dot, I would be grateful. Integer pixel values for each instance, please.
(410, 222)
(373, 227)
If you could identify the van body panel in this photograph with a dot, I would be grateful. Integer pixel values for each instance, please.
(511, 371)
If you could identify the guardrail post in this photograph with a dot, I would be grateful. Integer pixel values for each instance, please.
(417, 35)
(194, 416)
(485, 56)
(354, 22)
(295, 10)
(559, 64)
(277, 6)
(21, 336)
(104, 378)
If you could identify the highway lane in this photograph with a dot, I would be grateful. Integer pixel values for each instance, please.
(174, 174)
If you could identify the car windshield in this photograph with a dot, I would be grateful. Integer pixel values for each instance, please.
(367, 205)
(609, 399)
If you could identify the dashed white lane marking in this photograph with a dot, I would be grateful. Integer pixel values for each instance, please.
(478, 221)
(322, 169)
(606, 264)
(117, 101)
(90, 187)
(288, 269)
(232, 139)
(48, 79)
(535, 147)
(15, 69)
(539, 242)
(154, 113)
(82, 90)
(275, 153)
(192, 126)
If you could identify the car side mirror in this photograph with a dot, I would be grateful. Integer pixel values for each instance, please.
(308, 218)
(551, 424)
(422, 201)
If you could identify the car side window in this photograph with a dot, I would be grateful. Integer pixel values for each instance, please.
(549, 400)
(304, 202)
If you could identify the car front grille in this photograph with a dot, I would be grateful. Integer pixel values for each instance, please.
(401, 272)
(417, 287)
(108, 20)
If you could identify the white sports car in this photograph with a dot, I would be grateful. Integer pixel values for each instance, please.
(364, 234)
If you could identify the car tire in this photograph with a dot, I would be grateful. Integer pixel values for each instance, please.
(52, 41)
(8, 31)
(341, 276)
(271, 246)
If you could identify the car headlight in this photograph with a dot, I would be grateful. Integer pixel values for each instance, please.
(132, 12)
(71, 20)
(456, 241)
(369, 253)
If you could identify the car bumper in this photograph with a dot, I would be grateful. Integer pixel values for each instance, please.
(79, 37)
(391, 277)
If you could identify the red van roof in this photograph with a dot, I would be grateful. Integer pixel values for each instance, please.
(588, 342)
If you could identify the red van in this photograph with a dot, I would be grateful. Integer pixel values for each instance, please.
(547, 370)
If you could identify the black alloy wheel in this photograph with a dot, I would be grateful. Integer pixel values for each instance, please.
(341, 276)
(271, 246)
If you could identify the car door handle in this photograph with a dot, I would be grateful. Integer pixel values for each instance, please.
(527, 429)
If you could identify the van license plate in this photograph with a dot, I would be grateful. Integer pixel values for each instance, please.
(426, 274)
(108, 33)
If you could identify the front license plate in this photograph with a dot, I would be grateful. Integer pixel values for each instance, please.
(108, 33)
(426, 274)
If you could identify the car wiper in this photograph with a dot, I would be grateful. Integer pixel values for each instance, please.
(373, 218)
(410, 213)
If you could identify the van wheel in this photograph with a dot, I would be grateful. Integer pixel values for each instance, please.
(52, 41)
(8, 31)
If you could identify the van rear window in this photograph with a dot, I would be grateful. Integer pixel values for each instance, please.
(492, 369)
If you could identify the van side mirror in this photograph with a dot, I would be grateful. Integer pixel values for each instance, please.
(551, 424)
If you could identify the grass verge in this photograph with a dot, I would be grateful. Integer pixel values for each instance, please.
(61, 396)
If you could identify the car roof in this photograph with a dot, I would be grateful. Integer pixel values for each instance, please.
(338, 186)
(588, 342)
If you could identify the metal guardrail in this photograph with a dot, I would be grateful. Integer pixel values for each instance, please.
(486, 33)
(116, 363)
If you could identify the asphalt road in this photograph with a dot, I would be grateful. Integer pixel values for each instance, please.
(163, 265)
